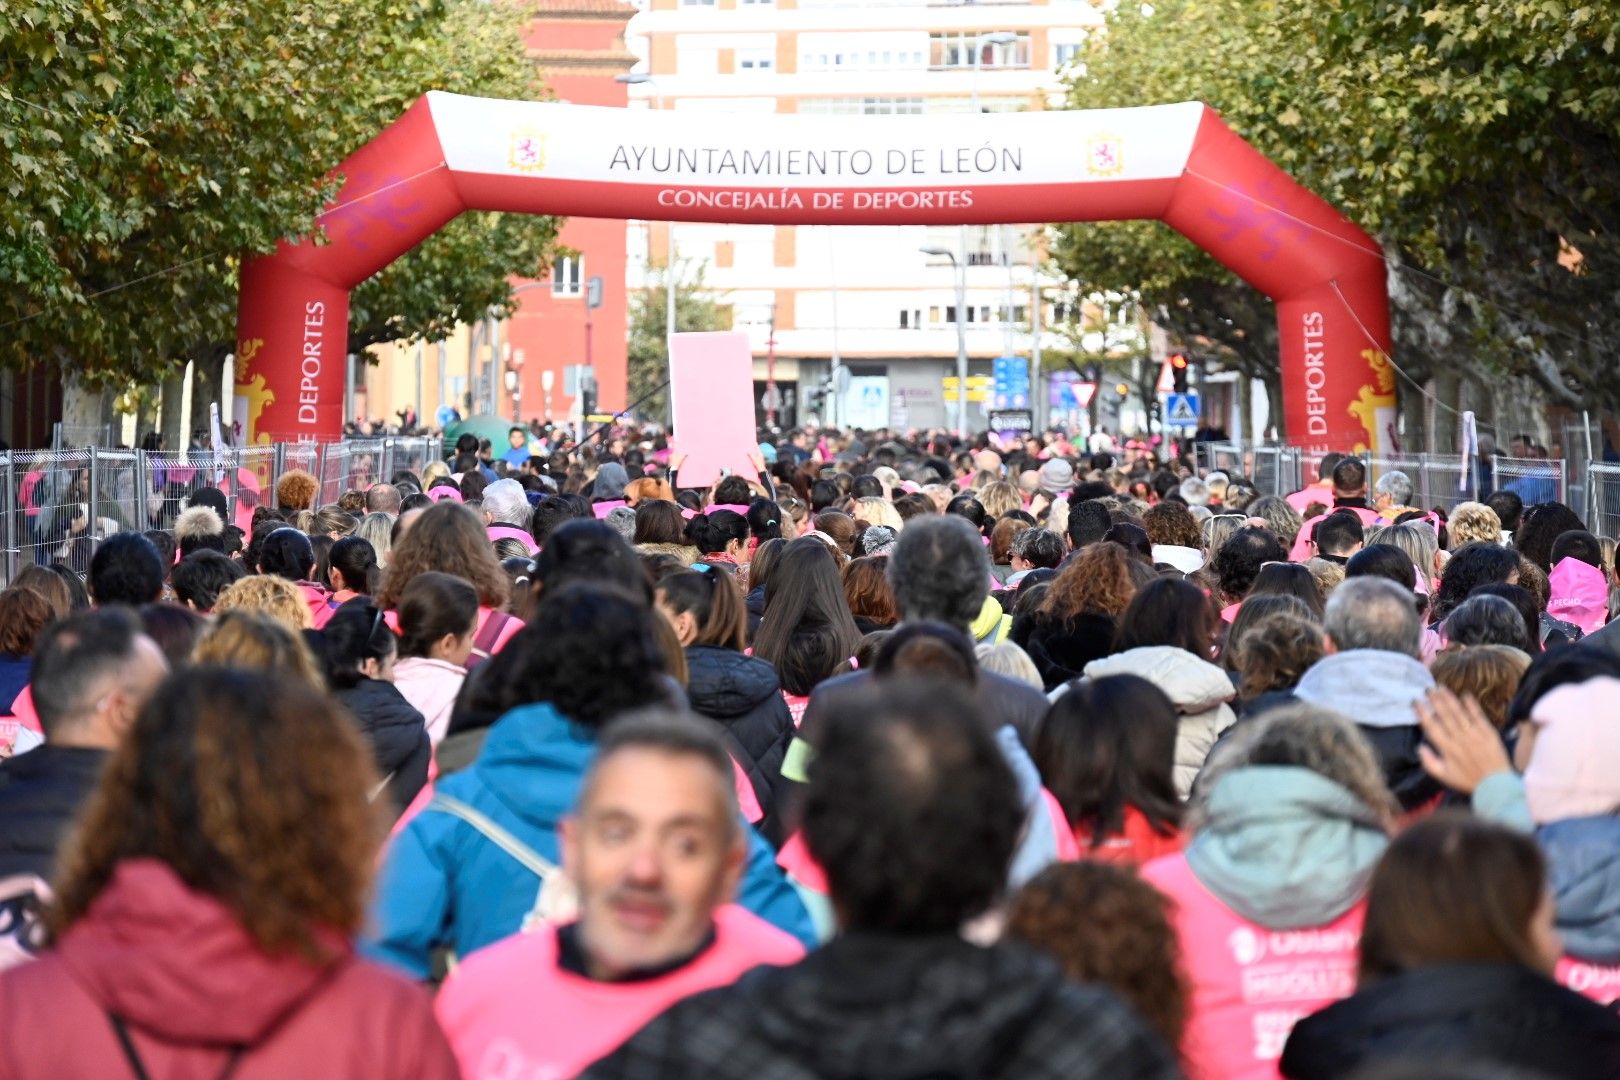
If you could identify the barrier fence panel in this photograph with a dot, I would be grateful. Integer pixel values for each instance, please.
(57, 505)
(10, 553)
(413, 452)
(115, 480)
(1603, 496)
(1276, 470)
(350, 466)
(1535, 480)
(51, 493)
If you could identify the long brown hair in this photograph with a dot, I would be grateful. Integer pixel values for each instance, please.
(1097, 582)
(867, 589)
(252, 789)
(1450, 890)
(449, 538)
(1103, 924)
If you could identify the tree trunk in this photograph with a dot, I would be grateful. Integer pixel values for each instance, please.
(170, 422)
(1448, 396)
(207, 368)
(1412, 427)
(81, 409)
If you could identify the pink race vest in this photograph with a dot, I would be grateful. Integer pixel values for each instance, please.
(1600, 982)
(1250, 985)
(510, 1011)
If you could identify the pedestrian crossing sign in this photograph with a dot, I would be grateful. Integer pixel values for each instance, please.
(1181, 409)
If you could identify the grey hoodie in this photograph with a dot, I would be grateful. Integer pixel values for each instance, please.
(1377, 689)
(1373, 687)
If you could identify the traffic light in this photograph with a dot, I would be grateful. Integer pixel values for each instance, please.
(1178, 373)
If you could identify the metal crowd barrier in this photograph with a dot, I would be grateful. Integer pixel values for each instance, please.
(57, 505)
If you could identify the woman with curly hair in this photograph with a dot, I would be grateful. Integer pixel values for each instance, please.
(450, 538)
(274, 597)
(1274, 652)
(253, 641)
(296, 490)
(206, 905)
(1107, 927)
(1076, 619)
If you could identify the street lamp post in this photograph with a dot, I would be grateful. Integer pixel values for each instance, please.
(641, 78)
(960, 267)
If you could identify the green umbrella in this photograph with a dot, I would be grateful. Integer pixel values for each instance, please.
(484, 426)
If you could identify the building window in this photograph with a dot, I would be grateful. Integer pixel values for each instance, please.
(568, 275)
(950, 313)
(872, 106)
(955, 50)
(911, 320)
(755, 60)
(1064, 52)
(697, 3)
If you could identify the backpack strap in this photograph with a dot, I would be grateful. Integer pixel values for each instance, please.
(495, 833)
(556, 901)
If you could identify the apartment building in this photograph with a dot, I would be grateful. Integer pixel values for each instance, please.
(866, 299)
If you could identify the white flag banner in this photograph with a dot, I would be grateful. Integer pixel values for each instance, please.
(1468, 437)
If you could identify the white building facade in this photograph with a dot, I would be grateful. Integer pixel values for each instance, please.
(865, 299)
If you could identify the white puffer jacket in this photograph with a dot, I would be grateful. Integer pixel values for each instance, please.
(1199, 690)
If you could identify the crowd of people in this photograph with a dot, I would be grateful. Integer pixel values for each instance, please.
(893, 758)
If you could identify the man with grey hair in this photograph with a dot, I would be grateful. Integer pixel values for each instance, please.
(1392, 495)
(1373, 673)
(507, 512)
(940, 572)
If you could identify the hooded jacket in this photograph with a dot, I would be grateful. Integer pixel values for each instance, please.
(1583, 871)
(1377, 690)
(744, 696)
(190, 984)
(901, 1007)
(444, 884)
(398, 737)
(1484, 1014)
(1579, 593)
(1268, 910)
(431, 687)
(1285, 847)
(1199, 690)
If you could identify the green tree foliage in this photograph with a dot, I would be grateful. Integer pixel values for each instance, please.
(146, 145)
(1478, 141)
(696, 309)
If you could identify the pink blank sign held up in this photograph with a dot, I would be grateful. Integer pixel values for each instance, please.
(711, 396)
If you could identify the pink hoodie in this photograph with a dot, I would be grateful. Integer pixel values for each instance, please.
(1580, 594)
(510, 1010)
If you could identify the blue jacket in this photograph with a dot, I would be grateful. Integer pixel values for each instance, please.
(443, 883)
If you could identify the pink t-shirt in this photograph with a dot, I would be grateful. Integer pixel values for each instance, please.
(510, 1011)
(1250, 985)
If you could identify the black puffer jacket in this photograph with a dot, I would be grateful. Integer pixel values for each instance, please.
(744, 696)
(41, 794)
(398, 737)
(1482, 1014)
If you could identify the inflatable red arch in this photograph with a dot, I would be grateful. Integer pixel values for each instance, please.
(1178, 163)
